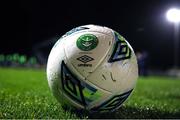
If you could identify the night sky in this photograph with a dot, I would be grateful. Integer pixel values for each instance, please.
(143, 23)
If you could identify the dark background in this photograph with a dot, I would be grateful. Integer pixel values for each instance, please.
(27, 23)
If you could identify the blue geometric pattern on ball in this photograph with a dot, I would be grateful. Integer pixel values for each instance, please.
(121, 50)
(74, 88)
(113, 103)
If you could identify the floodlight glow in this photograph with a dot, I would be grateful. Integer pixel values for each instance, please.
(173, 15)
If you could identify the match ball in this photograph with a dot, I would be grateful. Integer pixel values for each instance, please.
(92, 68)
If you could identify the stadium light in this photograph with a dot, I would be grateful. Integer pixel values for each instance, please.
(173, 15)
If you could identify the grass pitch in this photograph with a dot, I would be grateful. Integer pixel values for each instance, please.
(24, 94)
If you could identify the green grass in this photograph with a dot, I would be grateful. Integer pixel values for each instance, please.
(24, 93)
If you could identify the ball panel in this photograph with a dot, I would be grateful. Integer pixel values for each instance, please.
(85, 62)
(116, 75)
(55, 58)
(83, 94)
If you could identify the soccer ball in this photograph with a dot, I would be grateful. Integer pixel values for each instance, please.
(92, 68)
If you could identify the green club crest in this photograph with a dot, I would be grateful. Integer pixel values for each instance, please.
(87, 42)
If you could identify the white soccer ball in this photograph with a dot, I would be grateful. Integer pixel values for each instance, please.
(92, 68)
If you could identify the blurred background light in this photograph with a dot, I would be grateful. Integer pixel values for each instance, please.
(173, 15)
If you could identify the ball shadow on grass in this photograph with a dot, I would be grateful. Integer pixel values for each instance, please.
(126, 112)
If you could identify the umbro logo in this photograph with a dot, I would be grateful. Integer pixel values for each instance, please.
(85, 59)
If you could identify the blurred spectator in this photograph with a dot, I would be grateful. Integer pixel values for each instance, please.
(142, 59)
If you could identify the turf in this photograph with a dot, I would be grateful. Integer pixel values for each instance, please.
(24, 94)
